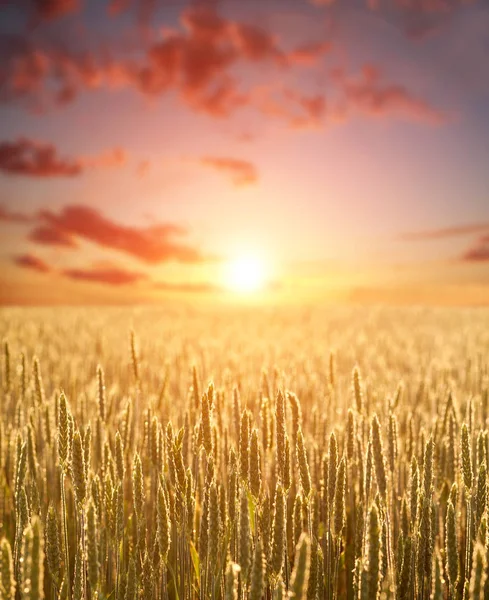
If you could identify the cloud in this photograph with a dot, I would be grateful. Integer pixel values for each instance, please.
(312, 109)
(428, 6)
(479, 251)
(187, 287)
(444, 232)
(144, 8)
(117, 157)
(309, 54)
(38, 76)
(54, 9)
(242, 172)
(369, 93)
(29, 261)
(152, 245)
(106, 275)
(197, 62)
(52, 236)
(10, 216)
(40, 159)
(418, 18)
(26, 157)
(297, 109)
(256, 44)
(143, 168)
(109, 276)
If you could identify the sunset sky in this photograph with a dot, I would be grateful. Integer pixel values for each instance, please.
(147, 144)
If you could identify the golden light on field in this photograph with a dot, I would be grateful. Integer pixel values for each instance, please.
(245, 274)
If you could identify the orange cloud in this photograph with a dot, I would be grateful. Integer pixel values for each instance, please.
(111, 158)
(149, 244)
(309, 54)
(199, 63)
(368, 93)
(479, 251)
(26, 157)
(110, 276)
(29, 261)
(39, 159)
(106, 275)
(53, 9)
(10, 216)
(52, 236)
(242, 172)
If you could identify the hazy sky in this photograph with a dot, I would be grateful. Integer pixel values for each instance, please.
(144, 143)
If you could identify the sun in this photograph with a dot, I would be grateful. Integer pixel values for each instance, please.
(245, 274)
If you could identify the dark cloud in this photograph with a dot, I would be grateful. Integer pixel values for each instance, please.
(242, 172)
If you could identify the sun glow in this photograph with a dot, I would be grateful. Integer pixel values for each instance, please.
(245, 274)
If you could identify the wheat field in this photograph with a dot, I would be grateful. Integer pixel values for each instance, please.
(244, 453)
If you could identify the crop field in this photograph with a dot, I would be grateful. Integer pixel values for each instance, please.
(244, 453)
